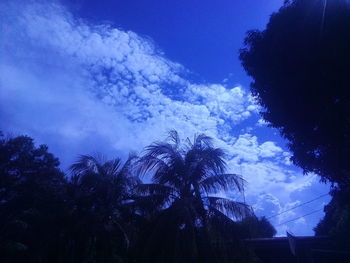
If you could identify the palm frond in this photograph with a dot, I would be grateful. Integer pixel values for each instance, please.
(229, 207)
(150, 203)
(171, 176)
(202, 140)
(111, 167)
(129, 164)
(222, 182)
(149, 163)
(154, 189)
(203, 163)
(215, 160)
(164, 151)
(174, 137)
(164, 161)
(185, 210)
(85, 163)
(219, 216)
(189, 144)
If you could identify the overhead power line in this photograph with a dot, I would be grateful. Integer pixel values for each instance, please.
(307, 202)
(300, 217)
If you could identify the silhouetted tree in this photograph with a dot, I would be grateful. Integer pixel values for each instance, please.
(99, 193)
(31, 202)
(102, 212)
(190, 222)
(336, 222)
(300, 65)
(254, 227)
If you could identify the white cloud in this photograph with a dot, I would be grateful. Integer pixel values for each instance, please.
(124, 71)
(230, 104)
(269, 149)
(247, 148)
(82, 88)
(261, 122)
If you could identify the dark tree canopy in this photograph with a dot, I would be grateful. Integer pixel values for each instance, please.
(102, 212)
(254, 227)
(300, 65)
(193, 225)
(31, 201)
(336, 222)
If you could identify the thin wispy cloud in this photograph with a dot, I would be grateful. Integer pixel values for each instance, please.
(82, 87)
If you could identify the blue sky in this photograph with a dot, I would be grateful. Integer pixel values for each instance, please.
(114, 76)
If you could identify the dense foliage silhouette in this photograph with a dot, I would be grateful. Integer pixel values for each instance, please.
(336, 222)
(300, 65)
(254, 227)
(99, 191)
(32, 203)
(183, 179)
(103, 212)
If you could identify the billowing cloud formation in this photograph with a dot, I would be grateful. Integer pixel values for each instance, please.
(82, 87)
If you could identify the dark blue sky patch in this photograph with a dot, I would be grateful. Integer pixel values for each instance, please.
(204, 36)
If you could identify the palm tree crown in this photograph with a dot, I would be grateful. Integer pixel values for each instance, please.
(194, 171)
(184, 180)
(101, 191)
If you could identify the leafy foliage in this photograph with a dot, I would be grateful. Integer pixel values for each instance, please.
(103, 212)
(31, 201)
(99, 191)
(184, 178)
(336, 222)
(300, 65)
(255, 227)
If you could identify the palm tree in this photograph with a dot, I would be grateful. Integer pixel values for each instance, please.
(100, 193)
(184, 180)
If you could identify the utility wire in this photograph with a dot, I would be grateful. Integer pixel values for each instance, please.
(300, 217)
(307, 202)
